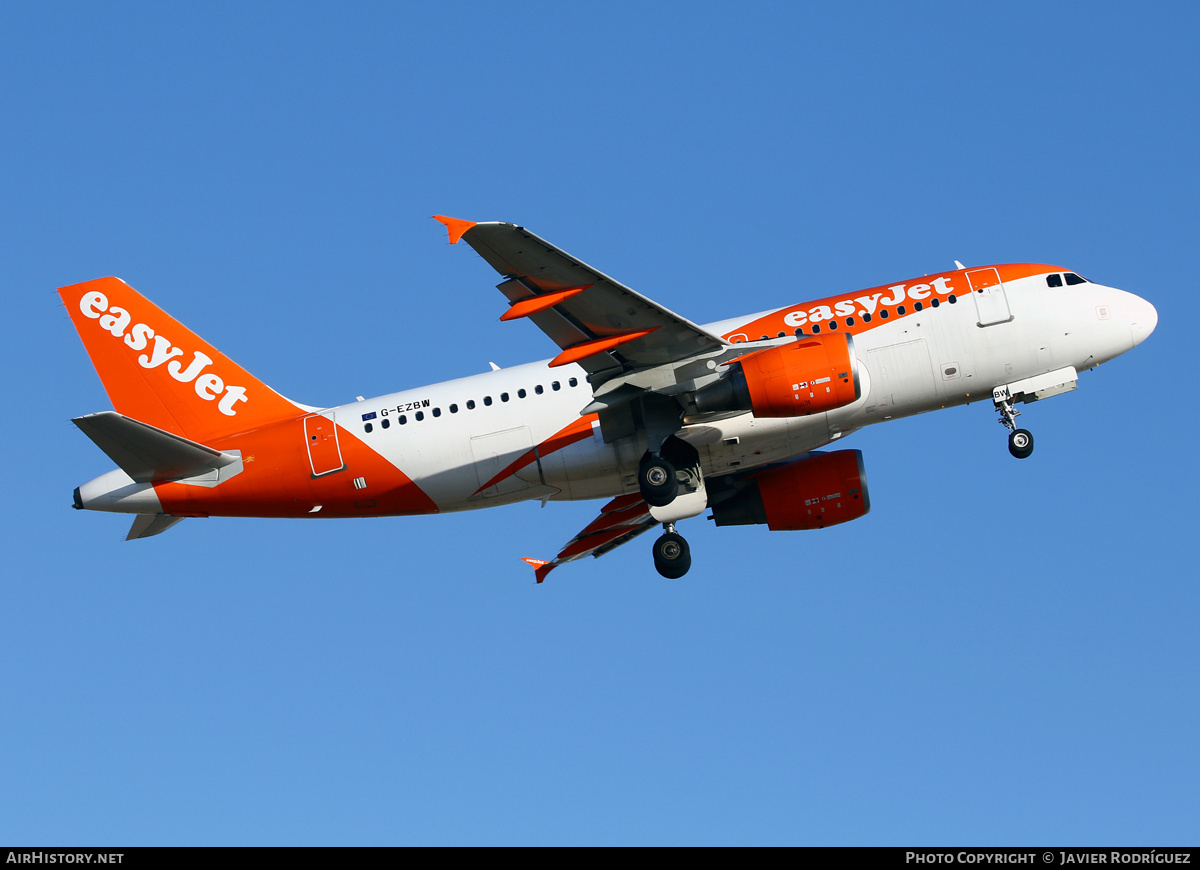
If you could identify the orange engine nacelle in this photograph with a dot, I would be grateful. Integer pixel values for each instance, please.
(812, 374)
(822, 489)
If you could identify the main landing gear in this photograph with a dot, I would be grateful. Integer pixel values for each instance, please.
(672, 555)
(671, 482)
(657, 481)
(1020, 441)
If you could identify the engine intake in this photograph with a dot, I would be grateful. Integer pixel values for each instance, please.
(812, 374)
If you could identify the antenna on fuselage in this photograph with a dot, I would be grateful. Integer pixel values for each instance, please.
(960, 265)
(495, 367)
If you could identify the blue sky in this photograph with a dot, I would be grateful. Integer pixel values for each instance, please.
(1000, 652)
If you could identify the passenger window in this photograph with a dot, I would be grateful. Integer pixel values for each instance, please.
(934, 302)
(454, 409)
(849, 321)
(883, 313)
(555, 386)
(367, 428)
(504, 397)
(951, 299)
(799, 332)
(521, 393)
(437, 412)
(403, 419)
(917, 306)
(1054, 280)
(420, 416)
(385, 422)
(833, 324)
(574, 382)
(867, 317)
(538, 389)
(816, 328)
(470, 404)
(900, 311)
(1073, 279)
(487, 400)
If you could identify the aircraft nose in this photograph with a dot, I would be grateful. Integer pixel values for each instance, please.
(1143, 319)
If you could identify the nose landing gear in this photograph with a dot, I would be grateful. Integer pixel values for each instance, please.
(1020, 441)
(672, 555)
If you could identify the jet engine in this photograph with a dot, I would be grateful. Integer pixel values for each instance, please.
(818, 490)
(814, 373)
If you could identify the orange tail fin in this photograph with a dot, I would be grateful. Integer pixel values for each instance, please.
(158, 371)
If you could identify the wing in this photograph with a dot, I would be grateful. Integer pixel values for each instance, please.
(585, 312)
(620, 521)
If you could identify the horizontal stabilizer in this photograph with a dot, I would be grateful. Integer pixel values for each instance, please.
(147, 454)
(149, 525)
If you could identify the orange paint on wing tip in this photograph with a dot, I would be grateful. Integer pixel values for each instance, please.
(540, 567)
(454, 226)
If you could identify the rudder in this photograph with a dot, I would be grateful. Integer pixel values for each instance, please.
(156, 370)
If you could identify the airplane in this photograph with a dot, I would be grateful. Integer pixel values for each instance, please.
(664, 417)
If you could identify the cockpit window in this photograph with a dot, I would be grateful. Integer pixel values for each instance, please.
(1054, 280)
(1073, 279)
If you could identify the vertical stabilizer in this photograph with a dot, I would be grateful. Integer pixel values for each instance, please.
(158, 371)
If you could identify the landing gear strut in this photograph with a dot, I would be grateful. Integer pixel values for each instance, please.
(1020, 441)
(672, 555)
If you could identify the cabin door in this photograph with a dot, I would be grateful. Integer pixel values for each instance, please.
(988, 292)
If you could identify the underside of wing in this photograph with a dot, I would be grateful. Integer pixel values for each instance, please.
(620, 521)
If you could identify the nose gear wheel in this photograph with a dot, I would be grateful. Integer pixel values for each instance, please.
(1020, 443)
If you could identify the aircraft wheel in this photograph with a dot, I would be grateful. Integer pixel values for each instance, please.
(656, 480)
(672, 556)
(1020, 443)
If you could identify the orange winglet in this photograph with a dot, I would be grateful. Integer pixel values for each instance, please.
(540, 567)
(534, 304)
(597, 345)
(454, 226)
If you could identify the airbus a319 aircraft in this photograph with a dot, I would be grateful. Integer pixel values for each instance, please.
(664, 417)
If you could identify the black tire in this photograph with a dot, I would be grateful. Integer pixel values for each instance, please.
(1020, 443)
(656, 480)
(672, 556)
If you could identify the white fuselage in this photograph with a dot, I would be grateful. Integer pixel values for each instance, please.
(935, 358)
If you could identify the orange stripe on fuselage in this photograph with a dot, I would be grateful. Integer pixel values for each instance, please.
(568, 435)
(277, 481)
(888, 297)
